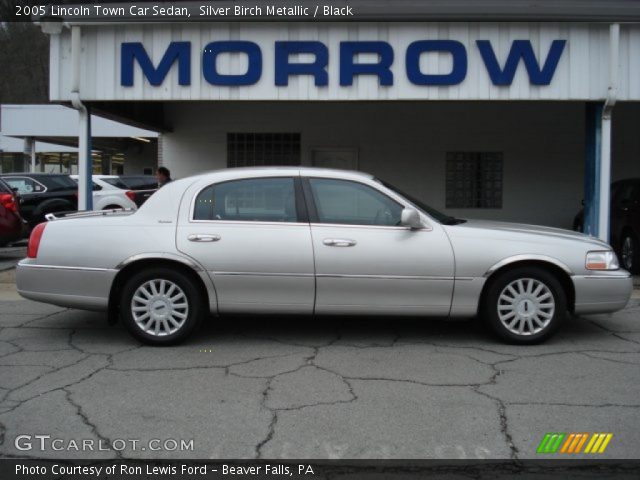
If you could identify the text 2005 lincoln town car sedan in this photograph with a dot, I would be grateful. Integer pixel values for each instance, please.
(305, 241)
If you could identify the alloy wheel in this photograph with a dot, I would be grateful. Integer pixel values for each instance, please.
(159, 307)
(526, 306)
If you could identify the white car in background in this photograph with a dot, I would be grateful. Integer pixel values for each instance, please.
(108, 195)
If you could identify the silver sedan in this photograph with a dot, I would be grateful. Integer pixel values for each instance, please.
(313, 241)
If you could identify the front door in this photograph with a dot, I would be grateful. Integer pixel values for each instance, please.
(251, 237)
(366, 262)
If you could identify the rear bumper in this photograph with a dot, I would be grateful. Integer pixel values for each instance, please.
(75, 287)
(604, 292)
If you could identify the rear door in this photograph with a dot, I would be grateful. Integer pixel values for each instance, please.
(366, 262)
(253, 237)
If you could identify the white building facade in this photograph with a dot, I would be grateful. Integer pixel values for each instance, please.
(500, 120)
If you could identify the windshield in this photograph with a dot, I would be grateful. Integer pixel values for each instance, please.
(432, 212)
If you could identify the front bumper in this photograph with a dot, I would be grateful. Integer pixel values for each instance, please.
(75, 287)
(604, 292)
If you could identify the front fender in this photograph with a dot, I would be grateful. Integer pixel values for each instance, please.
(528, 257)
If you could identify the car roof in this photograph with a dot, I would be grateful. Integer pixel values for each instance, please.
(248, 172)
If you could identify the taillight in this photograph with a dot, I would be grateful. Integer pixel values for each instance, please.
(34, 240)
(131, 195)
(8, 201)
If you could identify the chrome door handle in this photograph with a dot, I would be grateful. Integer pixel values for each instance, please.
(339, 242)
(203, 238)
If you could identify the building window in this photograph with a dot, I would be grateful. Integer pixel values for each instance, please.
(258, 149)
(474, 180)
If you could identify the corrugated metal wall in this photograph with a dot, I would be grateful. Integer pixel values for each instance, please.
(582, 73)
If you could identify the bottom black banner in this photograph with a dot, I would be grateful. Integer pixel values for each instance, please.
(312, 469)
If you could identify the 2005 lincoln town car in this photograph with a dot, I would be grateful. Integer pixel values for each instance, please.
(305, 241)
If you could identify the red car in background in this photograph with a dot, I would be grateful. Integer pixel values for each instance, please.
(11, 223)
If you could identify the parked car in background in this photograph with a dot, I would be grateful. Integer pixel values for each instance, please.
(142, 185)
(313, 241)
(11, 224)
(625, 222)
(109, 193)
(43, 193)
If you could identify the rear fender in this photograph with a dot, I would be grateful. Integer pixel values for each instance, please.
(189, 262)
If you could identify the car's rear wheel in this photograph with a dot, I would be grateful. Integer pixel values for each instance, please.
(161, 306)
(630, 252)
(525, 305)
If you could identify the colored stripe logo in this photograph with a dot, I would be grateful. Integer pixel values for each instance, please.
(572, 443)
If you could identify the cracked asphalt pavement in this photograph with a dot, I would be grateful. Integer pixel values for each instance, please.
(299, 387)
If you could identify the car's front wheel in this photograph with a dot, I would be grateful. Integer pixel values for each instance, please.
(161, 306)
(630, 252)
(525, 305)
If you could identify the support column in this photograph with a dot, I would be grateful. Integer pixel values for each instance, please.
(592, 183)
(105, 163)
(85, 163)
(30, 153)
(604, 207)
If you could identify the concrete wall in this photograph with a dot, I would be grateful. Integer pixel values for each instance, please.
(406, 144)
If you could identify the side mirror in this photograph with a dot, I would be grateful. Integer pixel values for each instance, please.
(410, 218)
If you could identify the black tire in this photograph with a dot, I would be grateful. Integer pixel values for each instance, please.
(630, 260)
(193, 314)
(539, 323)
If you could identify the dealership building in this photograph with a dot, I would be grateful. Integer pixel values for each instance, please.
(511, 112)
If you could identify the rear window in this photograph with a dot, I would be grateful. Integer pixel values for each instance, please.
(58, 182)
(146, 182)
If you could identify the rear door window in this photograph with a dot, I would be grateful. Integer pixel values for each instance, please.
(255, 200)
(25, 185)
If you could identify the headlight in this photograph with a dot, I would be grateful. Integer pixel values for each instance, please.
(603, 260)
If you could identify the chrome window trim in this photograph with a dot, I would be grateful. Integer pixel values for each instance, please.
(377, 227)
(192, 206)
(250, 222)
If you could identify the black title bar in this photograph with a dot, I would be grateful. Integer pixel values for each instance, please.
(331, 10)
